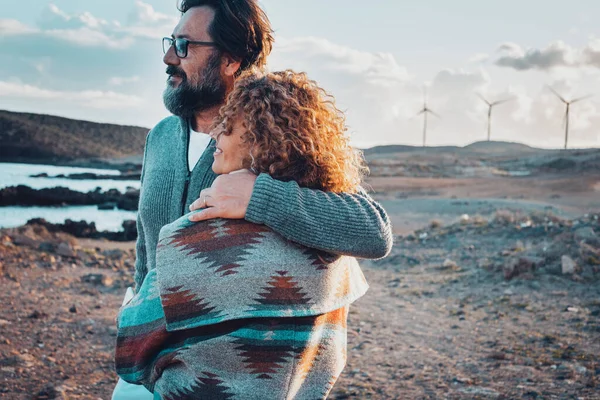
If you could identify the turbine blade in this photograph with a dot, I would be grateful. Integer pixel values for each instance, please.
(435, 114)
(558, 95)
(483, 99)
(582, 98)
(502, 101)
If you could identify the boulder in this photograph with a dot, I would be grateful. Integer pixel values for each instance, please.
(569, 267)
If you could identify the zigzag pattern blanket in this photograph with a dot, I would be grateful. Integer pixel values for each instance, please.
(235, 311)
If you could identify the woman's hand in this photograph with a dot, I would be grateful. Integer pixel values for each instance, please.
(228, 197)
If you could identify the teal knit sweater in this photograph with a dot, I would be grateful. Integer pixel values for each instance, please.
(344, 224)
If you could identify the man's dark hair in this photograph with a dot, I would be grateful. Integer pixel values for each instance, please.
(240, 28)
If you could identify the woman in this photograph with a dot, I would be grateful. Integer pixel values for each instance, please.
(232, 309)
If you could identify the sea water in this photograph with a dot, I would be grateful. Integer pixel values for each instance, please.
(12, 174)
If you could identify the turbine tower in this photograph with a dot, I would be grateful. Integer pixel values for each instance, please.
(568, 109)
(424, 111)
(490, 107)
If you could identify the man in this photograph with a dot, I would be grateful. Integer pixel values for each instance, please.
(213, 43)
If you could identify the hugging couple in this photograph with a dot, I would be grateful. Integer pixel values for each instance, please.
(250, 220)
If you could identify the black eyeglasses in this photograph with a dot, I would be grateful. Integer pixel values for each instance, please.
(181, 45)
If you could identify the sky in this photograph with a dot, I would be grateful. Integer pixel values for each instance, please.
(102, 61)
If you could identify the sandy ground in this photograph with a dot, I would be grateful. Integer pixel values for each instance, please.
(413, 202)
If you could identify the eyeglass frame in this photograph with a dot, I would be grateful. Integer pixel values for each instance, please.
(173, 43)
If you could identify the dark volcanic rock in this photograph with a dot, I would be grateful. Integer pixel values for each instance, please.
(83, 229)
(129, 176)
(25, 196)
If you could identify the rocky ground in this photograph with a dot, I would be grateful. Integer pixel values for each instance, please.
(499, 308)
(492, 290)
(57, 323)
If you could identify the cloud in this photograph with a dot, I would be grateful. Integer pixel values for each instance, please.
(11, 27)
(90, 98)
(591, 53)
(118, 80)
(54, 18)
(85, 29)
(556, 55)
(145, 22)
(376, 66)
(478, 58)
(144, 14)
(86, 37)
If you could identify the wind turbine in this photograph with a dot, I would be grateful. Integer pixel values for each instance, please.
(424, 111)
(568, 104)
(490, 107)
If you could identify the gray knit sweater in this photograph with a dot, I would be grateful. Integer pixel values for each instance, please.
(345, 224)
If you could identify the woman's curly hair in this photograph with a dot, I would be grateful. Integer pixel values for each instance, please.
(294, 131)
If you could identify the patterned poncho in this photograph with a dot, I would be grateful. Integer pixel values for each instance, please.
(235, 311)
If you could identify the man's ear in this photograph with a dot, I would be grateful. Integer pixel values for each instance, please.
(230, 65)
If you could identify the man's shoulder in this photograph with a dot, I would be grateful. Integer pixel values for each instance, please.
(169, 123)
(167, 129)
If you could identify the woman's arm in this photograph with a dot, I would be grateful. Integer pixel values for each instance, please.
(345, 224)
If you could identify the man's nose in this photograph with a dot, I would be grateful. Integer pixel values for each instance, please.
(170, 58)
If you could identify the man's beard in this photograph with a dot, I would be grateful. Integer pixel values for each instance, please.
(186, 99)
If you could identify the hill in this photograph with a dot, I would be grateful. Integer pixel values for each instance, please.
(39, 138)
(484, 147)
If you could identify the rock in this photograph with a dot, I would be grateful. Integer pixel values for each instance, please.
(26, 360)
(497, 356)
(22, 195)
(581, 369)
(73, 309)
(568, 265)
(23, 240)
(394, 283)
(48, 247)
(585, 233)
(129, 230)
(449, 264)
(65, 250)
(97, 279)
(6, 241)
(51, 392)
(37, 314)
(107, 206)
(521, 265)
(113, 254)
(10, 361)
(480, 392)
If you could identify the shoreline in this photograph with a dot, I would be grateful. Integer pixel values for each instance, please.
(120, 165)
